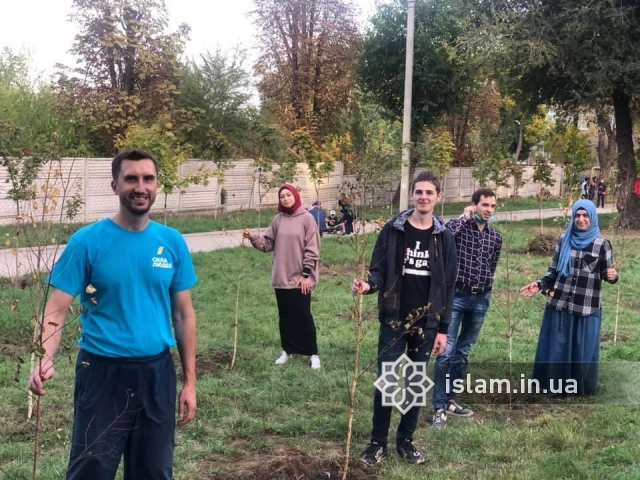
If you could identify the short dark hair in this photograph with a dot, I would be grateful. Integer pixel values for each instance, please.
(426, 176)
(132, 154)
(482, 192)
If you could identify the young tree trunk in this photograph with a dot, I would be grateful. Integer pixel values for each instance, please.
(517, 172)
(606, 147)
(516, 156)
(627, 202)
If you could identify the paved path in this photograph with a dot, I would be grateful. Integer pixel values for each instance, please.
(204, 242)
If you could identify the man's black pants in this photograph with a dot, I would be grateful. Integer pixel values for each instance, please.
(123, 407)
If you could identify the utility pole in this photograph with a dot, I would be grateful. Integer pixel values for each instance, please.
(406, 120)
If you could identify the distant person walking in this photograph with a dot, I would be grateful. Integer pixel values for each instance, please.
(593, 187)
(347, 216)
(584, 188)
(602, 191)
(569, 342)
(294, 239)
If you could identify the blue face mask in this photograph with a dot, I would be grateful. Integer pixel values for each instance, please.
(479, 219)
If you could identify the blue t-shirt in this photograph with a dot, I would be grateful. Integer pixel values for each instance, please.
(134, 275)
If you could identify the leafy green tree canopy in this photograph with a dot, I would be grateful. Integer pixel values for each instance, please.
(217, 88)
(128, 69)
(577, 54)
(441, 79)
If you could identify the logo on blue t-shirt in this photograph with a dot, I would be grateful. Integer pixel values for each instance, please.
(160, 262)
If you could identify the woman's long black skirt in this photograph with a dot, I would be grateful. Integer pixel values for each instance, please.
(297, 330)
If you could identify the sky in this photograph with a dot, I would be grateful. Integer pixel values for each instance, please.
(41, 27)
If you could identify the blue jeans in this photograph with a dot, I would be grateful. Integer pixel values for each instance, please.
(467, 317)
(391, 345)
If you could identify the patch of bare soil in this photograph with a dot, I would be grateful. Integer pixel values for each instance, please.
(287, 463)
(542, 245)
(21, 283)
(515, 414)
(210, 362)
(342, 269)
(608, 337)
(16, 428)
(10, 349)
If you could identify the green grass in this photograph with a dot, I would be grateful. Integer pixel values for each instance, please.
(266, 422)
(51, 234)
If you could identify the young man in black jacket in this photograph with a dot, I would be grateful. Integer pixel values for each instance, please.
(413, 269)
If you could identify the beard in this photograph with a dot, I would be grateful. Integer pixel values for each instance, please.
(128, 203)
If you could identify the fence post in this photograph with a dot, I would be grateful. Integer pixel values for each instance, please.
(85, 189)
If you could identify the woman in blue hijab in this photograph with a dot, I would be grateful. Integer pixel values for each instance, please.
(569, 343)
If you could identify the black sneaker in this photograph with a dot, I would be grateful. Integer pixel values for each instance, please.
(454, 409)
(374, 454)
(439, 418)
(407, 451)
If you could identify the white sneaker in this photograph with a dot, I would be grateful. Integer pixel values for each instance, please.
(282, 359)
(315, 362)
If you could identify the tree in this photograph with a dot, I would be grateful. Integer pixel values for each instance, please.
(436, 151)
(269, 144)
(28, 108)
(607, 151)
(14, 69)
(578, 54)
(442, 80)
(571, 148)
(160, 140)
(217, 90)
(480, 113)
(307, 67)
(370, 150)
(542, 176)
(128, 68)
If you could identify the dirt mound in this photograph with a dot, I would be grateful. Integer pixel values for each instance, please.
(209, 362)
(291, 463)
(542, 245)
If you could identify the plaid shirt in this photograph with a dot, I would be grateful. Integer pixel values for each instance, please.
(579, 293)
(478, 252)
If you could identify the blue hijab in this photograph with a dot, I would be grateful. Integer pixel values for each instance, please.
(574, 238)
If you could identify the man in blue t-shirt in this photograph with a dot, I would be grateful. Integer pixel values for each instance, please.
(133, 277)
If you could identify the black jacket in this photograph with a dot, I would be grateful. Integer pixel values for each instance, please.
(385, 272)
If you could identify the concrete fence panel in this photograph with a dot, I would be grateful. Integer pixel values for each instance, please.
(238, 187)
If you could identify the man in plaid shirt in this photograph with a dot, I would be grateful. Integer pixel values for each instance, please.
(478, 247)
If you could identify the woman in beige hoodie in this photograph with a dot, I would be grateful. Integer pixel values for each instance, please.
(294, 238)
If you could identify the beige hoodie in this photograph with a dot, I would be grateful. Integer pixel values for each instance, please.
(295, 241)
